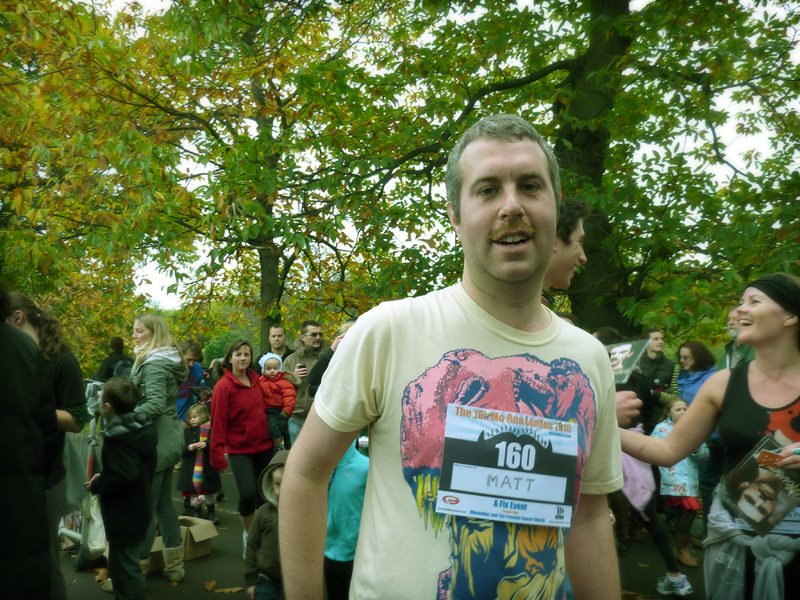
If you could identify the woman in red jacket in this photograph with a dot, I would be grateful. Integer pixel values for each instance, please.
(239, 427)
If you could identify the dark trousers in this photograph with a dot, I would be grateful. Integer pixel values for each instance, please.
(246, 468)
(278, 427)
(337, 578)
(126, 575)
(710, 472)
(658, 533)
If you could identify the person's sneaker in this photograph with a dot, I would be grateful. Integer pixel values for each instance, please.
(676, 586)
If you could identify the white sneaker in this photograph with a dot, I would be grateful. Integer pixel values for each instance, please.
(676, 586)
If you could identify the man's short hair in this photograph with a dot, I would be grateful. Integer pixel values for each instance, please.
(277, 325)
(309, 323)
(654, 330)
(121, 393)
(193, 347)
(116, 344)
(503, 127)
(607, 335)
(570, 212)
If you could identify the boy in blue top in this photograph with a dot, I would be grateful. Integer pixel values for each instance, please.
(129, 460)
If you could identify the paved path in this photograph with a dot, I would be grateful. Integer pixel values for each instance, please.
(640, 567)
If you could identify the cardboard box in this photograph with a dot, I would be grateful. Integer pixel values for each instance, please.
(196, 534)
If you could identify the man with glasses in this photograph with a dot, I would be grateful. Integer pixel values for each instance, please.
(297, 366)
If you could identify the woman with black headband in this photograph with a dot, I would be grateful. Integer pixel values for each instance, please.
(754, 399)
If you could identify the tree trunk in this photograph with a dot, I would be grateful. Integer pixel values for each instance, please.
(582, 146)
(269, 291)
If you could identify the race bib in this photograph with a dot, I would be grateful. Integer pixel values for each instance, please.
(506, 466)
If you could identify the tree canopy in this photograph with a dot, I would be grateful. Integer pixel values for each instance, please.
(288, 156)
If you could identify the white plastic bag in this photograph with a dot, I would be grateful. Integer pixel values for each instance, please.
(93, 533)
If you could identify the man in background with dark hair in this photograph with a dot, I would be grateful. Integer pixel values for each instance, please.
(277, 341)
(106, 370)
(568, 254)
(654, 365)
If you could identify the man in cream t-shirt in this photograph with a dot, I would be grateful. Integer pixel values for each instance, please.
(492, 423)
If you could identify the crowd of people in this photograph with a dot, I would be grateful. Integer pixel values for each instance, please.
(486, 385)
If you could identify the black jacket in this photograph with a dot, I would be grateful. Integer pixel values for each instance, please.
(27, 414)
(129, 461)
(657, 371)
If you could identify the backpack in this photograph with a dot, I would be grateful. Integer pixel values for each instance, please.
(123, 367)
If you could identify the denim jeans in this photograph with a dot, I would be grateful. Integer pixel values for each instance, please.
(164, 511)
(267, 590)
(294, 429)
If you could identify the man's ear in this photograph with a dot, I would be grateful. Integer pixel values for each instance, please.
(791, 320)
(451, 213)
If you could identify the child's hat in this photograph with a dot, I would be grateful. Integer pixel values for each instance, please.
(269, 356)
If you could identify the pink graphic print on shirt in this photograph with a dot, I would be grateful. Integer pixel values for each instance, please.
(492, 559)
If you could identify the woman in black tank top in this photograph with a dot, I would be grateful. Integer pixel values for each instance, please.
(756, 399)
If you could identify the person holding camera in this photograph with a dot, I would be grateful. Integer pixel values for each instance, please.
(297, 367)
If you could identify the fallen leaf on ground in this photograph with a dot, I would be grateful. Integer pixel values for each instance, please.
(210, 585)
(232, 590)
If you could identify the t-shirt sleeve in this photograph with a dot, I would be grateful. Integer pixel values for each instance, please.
(351, 394)
(69, 388)
(603, 470)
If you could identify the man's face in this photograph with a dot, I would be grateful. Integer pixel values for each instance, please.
(618, 355)
(732, 325)
(508, 212)
(567, 257)
(312, 337)
(277, 338)
(656, 341)
(189, 359)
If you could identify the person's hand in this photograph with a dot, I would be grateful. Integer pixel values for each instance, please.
(200, 445)
(792, 454)
(251, 591)
(336, 342)
(88, 484)
(301, 371)
(285, 415)
(628, 405)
